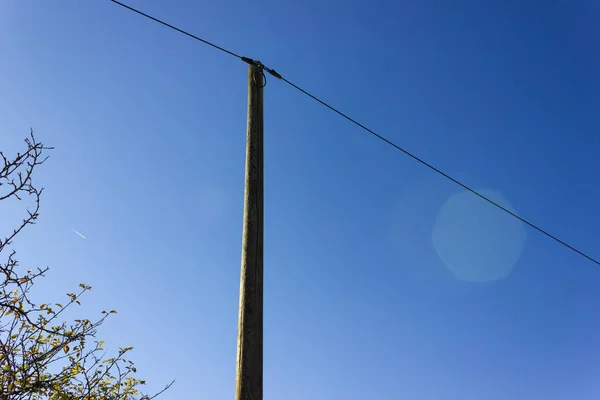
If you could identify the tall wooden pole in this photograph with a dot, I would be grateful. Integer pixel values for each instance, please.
(249, 366)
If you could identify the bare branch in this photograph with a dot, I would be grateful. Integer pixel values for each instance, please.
(42, 355)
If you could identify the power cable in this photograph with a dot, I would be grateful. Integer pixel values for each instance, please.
(445, 175)
(231, 53)
(370, 131)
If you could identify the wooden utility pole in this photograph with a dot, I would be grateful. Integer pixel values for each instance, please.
(249, 366)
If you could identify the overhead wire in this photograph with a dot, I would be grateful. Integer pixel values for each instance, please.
(442, 173)
(231, 53)
(370, 131)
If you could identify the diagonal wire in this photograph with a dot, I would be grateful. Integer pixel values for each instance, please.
(442, 173)
(177, 29)
(370, 131)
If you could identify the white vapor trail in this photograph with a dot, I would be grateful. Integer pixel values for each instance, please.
(83, 237)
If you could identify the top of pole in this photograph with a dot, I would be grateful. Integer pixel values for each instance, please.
(261, 66)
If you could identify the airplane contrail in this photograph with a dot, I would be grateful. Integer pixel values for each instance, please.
(83, 237)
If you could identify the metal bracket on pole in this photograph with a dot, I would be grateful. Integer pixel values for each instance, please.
(262, 67)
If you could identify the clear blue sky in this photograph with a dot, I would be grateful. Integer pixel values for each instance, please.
(382, 279)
